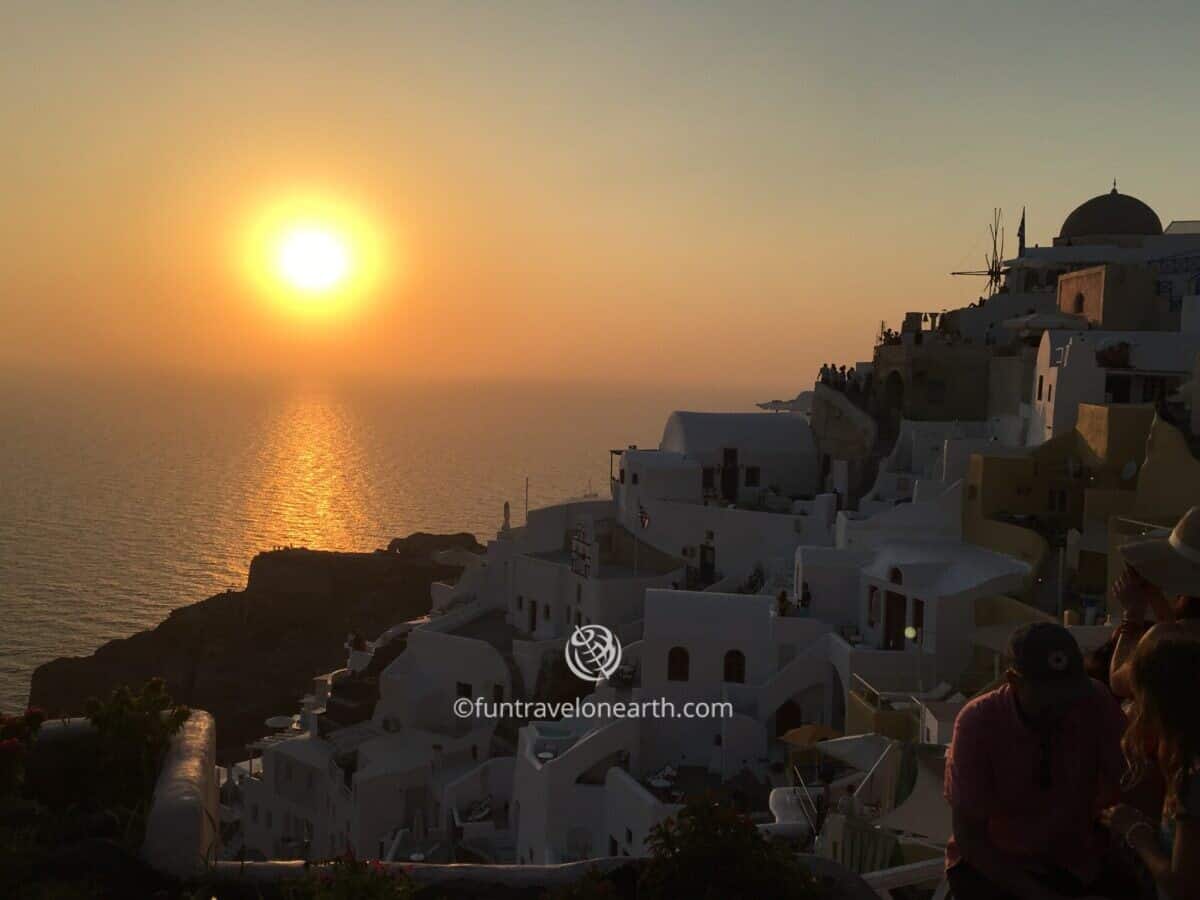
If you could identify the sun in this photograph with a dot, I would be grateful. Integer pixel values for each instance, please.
(313, 259)
(322, 256)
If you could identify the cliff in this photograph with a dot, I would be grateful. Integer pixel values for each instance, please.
(247, 655)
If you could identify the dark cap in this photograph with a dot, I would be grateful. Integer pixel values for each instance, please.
(1047, 654)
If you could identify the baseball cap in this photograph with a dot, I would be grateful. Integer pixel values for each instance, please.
(1047, 654)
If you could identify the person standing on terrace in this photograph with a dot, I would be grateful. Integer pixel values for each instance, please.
(1164, 735)
(1162, 574)
(1029, 768)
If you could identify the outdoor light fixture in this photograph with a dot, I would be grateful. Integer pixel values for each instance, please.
(910, 632)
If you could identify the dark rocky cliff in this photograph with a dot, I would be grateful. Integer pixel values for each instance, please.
(246, 655)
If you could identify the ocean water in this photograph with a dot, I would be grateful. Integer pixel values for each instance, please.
(121, 500)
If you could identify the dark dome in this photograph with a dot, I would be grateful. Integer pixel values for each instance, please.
(1111, 213)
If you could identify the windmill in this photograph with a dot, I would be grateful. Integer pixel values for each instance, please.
(995, 260)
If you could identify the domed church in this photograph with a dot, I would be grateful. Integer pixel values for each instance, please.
(1112, 219)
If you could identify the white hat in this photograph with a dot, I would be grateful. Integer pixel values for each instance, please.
(1170, 562)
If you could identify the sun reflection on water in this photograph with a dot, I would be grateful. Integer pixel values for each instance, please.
(313, 488)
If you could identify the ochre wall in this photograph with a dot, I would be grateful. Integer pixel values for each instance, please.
(1115, 297)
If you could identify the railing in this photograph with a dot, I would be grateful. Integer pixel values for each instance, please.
(865, 690)
(927, 871)
(497, 878)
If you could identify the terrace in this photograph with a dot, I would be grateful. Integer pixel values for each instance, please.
(743, 792)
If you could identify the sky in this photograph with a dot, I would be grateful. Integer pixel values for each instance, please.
(690, 193)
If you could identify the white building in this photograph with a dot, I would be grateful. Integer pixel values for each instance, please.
(742, 455)
(586, 788)
(1076, 367)
(1120, 229)
(322, 789)
(726, 492)
(901, 569)
(576, 564)
(926, 459)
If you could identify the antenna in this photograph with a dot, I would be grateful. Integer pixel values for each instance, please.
(994, 261)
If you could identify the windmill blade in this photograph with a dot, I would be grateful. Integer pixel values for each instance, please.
(993, 263)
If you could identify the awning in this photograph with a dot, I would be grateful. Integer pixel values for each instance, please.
(925, 811)
(861, 751)
(807, 735)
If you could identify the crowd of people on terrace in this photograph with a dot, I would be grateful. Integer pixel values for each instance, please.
(845, 380)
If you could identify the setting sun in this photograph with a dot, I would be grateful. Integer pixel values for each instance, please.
(313, 259)
(315, 254)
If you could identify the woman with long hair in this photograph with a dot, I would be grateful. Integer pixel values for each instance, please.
(1164, 734)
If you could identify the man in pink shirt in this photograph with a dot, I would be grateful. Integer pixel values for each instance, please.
(1030, 766)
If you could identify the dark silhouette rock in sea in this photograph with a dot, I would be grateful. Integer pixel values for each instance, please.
(247, 655)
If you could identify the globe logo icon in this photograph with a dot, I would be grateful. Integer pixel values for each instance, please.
(592, 652)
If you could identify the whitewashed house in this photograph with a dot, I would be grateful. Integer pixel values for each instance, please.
(726, 492)
(1076, 367)
(907, 569)
(578, 565)
(926, 459)
(741, 454)
(586, 788)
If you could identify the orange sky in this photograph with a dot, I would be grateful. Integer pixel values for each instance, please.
(679, 193)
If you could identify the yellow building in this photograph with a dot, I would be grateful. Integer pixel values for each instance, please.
(1117, 297)
(1168, 485)
(1011, 500)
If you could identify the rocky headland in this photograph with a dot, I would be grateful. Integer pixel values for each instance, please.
(250, 654)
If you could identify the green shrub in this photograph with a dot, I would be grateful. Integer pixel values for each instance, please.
(17, 734)
(134, 731)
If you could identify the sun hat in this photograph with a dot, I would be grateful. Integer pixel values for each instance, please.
(1170, 561)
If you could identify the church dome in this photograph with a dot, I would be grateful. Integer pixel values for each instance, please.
(1111, 213)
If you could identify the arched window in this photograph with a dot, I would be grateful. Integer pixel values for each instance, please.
(895, 577)
(735, 667)
(677, 664)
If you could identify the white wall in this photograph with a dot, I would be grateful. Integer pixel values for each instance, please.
(630, 813)
(741, 538)
(419, 687)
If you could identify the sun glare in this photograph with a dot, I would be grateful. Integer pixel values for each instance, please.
(313, 259)
(313, 255)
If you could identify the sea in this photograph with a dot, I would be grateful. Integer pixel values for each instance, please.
(124, 498)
